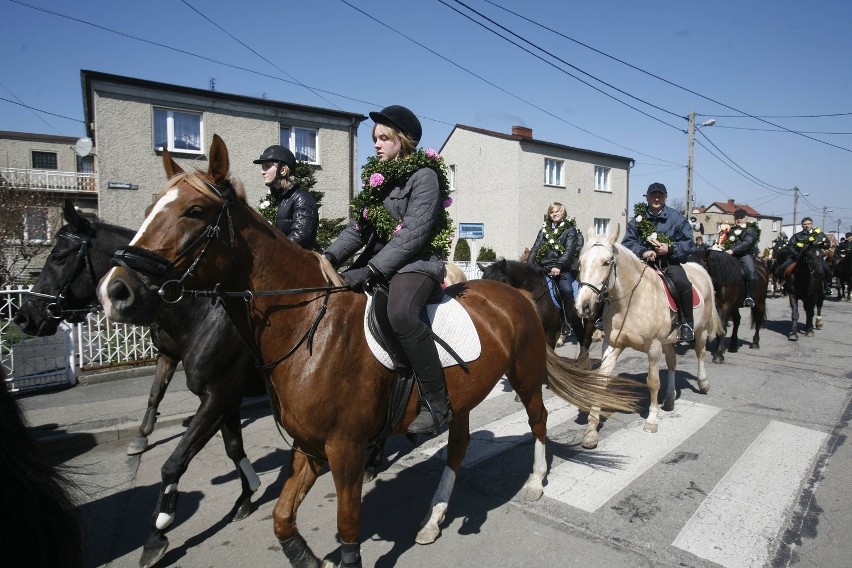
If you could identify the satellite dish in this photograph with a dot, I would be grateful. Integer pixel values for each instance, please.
(83, 147)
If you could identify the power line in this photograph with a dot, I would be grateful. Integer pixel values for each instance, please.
(775, 129)
(44, 111)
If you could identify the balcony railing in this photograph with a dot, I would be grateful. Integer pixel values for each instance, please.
(48, 180)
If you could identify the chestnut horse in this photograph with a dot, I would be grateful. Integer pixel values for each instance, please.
(636, 314)
(307, 332)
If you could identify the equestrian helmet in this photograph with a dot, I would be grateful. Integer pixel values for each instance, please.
(401, 119)
(280, 154)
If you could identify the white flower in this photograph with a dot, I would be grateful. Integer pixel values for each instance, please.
(638, 218)
(264, 204)
(738, 231)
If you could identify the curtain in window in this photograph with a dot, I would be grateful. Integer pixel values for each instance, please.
(306, 145)
(161, 128)
(187, 131)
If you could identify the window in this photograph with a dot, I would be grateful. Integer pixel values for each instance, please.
(552, 172)
(45, 161)
(85, 165)
(35, 224)
(602, 178)
(302, 142)
(452, 179)
(601, 226)
(177, 130)
(774, 226)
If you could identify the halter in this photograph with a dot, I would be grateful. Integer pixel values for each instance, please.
(56, 310)
(603, 292)
(136, 260)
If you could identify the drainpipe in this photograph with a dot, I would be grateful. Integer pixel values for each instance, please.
(351, 161)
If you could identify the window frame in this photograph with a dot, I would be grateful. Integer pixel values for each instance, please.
(451, 170)
(601, 226)
(290, 142)
(549, 174)
(44, 154)
(606, 173)
(170, 130)
(44, 231)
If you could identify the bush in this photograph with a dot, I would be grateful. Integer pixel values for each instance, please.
(486, 254)
(462, 251)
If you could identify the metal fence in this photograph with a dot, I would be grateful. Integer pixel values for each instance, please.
(97, 343)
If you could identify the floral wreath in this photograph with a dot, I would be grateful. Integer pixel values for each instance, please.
(811, 238)
(735, 234)
(647, 228)
(551, 236)
(379, 177)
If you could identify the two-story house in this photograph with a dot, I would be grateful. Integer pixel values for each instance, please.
(718, 213)
(507, 181)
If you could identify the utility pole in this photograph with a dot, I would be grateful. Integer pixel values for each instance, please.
(824, 211)
(795, 204)
(690, 133)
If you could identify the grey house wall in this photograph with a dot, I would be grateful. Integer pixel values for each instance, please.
(122, 118)
(500, 182)
(16, 150)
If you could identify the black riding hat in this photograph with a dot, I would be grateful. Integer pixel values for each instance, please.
(401, 119)
(278, 153)
(657, 187)
(740, 213)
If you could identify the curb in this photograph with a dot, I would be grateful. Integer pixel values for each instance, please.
(94, 377)
(67, 441)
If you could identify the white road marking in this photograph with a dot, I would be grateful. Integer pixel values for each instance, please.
(588, 486)
(737, 522)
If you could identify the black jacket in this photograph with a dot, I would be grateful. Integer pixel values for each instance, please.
(746, 242)
(298, 217)
(569, 239)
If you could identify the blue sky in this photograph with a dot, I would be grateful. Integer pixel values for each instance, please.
(786, 62)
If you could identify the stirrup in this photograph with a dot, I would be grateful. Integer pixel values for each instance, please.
(748, 302)
(686, 333)
(599, 323)
(428, 422)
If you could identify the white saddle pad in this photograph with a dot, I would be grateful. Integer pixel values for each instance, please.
(449, 321)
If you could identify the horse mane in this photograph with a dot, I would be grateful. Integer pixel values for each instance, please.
(723, 268)
(198, 180)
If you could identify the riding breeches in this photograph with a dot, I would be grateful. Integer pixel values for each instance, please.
(678, 276)
(407, 294)
(565, 283)
(748, 264)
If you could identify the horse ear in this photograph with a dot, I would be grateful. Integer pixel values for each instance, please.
(612, 237)
(69, 212)
(220, 165)
(171, 167)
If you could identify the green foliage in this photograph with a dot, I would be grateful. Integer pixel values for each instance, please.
(304, 177)
(462, 251)
(328, 230)
(486, 254)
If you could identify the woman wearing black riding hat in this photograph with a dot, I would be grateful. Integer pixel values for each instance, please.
(401, 221)
(297, 212)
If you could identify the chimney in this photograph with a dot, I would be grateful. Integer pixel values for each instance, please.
(731, 202)
(522, 132)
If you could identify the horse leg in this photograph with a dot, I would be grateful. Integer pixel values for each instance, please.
(232, 436)
(346, 461)
(537, 419)
(165, 370)
(809, 317)
(375, 462)
(457, 442)
(818, 317)
(758, 316)
(653, 383)
(734, 341)
(608, 359)
(794, 315)
(671, 365)
(701, 353)
(304, 471)
(719, 353)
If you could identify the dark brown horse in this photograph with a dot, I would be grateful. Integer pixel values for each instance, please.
(730, 292)
(843, 273)
(307, 331)
(806, 283)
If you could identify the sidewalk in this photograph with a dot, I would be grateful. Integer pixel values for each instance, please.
(107, 407)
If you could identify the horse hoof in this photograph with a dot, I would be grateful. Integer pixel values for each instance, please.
(704, 386)
(370, 474)
(533, 493)
(668, 405)
(793, 337)
(561, 341)
(718, 359)
(428, 534)
(155, 548)
(242, 510)
(754, 345)
(590, 440)
(733, 349)
(818, 324)
(137, 445)
(809, 333)
(652, 428)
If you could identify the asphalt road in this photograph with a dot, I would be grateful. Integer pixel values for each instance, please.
(754, 473)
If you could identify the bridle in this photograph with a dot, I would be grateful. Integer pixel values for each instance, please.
(56, 310)
(602, 293)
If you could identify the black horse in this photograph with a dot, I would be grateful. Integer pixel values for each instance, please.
(219, 368)
(535, 280)
(805, 281)
(843, 273)
(40, 524)
(730, 290)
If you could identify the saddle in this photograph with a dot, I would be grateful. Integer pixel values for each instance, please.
(671, 292)
(445, 317)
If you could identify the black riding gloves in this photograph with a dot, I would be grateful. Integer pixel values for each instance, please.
(358, 279)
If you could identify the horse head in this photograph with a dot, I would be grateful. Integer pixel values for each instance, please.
(65, 288)
(185, 240)
(597, 271)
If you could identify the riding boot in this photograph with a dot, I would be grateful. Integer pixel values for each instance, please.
(749, 301)
(422, 353)
(687, 327)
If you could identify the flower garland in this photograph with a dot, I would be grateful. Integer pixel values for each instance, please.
(551, 237)
(812, 238)
(268, 206)
(379, 177)
(647, 228)
(735, 234)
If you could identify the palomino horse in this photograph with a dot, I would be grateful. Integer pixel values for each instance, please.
(636, 315)
(533, 279)
(730, 291)
(307, 332)
(219, 367)
(805, 282)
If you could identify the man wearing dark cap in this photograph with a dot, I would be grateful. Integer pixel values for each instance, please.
(742, 244)
(809, 236)
(667, 255)
(297, 217)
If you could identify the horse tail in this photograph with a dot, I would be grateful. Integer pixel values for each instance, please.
(716, 327)
(589, 389)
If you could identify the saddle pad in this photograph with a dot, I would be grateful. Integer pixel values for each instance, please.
(696, 298)
(449, 321)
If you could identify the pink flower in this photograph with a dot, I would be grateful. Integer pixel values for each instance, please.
(364, 213)
(376, 180)
(430, 153)
(397, 229)
(447, 202)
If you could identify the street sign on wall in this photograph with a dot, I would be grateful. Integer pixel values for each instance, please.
(471, 230)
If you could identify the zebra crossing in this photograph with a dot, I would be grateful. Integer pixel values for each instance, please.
(734, 524)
